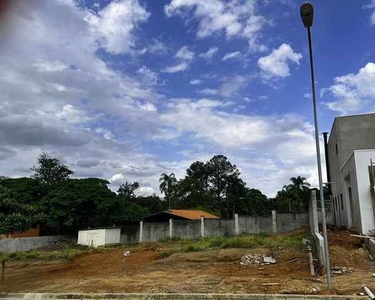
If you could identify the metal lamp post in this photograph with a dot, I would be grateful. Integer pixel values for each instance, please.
(307, 15)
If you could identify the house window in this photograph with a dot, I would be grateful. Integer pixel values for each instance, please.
(342, 202)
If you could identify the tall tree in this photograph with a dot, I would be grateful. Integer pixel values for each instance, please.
(16, 216)
(221, 171)
(127, 189)
(167, 184)
(50, 171)
(80, 203)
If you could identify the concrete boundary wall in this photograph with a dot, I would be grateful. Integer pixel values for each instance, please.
(11, 245)
(158, 231)
(314, 227)
(139, 296)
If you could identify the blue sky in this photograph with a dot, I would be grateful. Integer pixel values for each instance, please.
(126, 90)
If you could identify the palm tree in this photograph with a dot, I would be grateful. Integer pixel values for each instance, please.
(302, 187)
(167, 182)
(300, 183)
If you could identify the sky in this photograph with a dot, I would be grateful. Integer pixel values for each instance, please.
(126, 90)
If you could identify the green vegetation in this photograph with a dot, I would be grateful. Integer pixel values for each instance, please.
(63, 254)
(62, 205)
(246, 241)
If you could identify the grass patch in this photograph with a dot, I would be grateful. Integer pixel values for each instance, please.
(65, 253)
(246, 241)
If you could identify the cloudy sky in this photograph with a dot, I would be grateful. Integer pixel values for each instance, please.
(126, 90)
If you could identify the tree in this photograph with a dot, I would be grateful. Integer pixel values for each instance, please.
(221, 172)
(300, 183)
(80, 203)
(295, 196)
(167, 183)
(24, 190)
(50, 171)
(128, 189)
(14, 215)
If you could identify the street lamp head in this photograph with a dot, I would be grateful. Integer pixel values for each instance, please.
(307, 14)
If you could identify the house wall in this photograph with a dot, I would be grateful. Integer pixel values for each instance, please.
(362, 162)
(345, 138)
(215, 227)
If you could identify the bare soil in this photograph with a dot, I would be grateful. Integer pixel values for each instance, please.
(213, 271)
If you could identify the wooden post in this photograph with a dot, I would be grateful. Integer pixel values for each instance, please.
(3, 270)
(312, 271)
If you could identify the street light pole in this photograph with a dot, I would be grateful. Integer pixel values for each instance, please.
(307, 14)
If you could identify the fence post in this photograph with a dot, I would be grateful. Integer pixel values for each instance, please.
(274, 222)
(236, 225)
(2, 270)
(170, 228)
(202, 227)
(141, 231)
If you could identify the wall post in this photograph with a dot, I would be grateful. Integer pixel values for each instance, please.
(141, 231)
(202, 227)
(170, 228)
(236, 225)
(274, 222)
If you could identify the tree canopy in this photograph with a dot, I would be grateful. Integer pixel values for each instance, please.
(16, 216)
(64, 205)
(50, 171)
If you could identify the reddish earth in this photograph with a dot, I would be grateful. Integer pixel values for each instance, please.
(211, 271)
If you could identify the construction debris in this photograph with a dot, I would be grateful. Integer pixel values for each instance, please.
(270, 284)
(363, 236)
(368, 292)
(341, 270)
(256, 259)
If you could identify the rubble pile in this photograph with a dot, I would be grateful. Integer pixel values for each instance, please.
(341, 270)
(256, 259)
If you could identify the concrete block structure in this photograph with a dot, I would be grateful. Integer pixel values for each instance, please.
(99, 237)
(351, 147)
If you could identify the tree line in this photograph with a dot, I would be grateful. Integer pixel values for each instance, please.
(64, 205)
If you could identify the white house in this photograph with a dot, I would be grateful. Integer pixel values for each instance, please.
(99, 237)
(351, 148)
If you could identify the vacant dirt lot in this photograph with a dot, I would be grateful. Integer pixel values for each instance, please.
(215, 270)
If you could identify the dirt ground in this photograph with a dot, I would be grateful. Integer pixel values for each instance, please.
(211, 271)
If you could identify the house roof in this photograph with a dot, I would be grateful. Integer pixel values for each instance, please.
(192, 214)
(179, 214)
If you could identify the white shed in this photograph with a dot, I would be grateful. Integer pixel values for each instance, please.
(99, 237)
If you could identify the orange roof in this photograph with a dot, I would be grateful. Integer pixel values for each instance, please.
(192, 214)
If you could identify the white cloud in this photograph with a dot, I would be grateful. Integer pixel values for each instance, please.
(371, 5)
(195, 81)
(231, 55)
(73, 115)
(150, 107)
(49, 66)
(185, 54)
(235, 18)
(252, 31)
(275, 65)
(114, 25)
(354, 91)
(208, 91)
(228, 88)
(148, 76)
(176, 68)
(209, 54)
